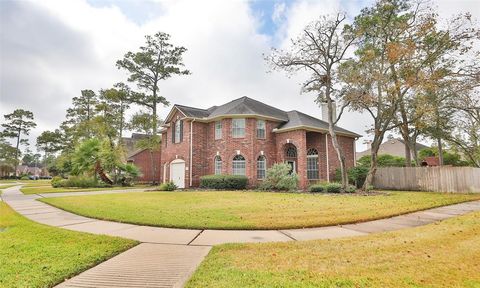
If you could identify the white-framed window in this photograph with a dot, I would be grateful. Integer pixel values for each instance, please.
(238, 128)
(261, 129)
(261, 167)
(178, 131)
(218, 165)
(238, 165)
(312, 164)
(218, 129)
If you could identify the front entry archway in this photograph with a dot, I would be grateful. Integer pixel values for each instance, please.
(290, 151)
(177, 172)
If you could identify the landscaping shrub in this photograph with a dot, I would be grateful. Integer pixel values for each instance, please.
(333, 187)
(81, 182)
(350, 189)
(358, 175)
(24, 178)
(56, 181)
(279, 178)
(167, 186)
(315, 188)
(220, 182)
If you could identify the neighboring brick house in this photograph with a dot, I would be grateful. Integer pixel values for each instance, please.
(143, 160)
(245, 137)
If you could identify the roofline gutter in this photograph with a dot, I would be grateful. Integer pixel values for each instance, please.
(223, 116)
(315, 129)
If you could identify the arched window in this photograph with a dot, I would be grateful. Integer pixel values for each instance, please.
(312, 164)
(218, 165)
(261, 167)
(291, 151)
(238, 165)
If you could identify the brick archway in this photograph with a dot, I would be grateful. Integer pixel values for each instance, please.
(290, 155)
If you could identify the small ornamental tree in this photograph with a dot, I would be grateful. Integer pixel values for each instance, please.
(279, 178)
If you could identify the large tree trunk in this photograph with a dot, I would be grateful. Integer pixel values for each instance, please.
(440, 151)
(99, 170)
(377, 141)
(336, 145)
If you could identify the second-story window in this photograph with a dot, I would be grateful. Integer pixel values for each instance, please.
(218, 130)
(238, 128)
(178, 131)
(261, 129)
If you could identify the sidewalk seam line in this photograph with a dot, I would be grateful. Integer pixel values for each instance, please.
(291, 237)
(201, 231)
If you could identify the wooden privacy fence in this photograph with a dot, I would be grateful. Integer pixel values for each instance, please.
(438, 179)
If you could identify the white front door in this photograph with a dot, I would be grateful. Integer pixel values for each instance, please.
(177, 173)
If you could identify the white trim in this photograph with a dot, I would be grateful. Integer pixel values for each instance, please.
(169, 113)
(326, 151)
(165, 172)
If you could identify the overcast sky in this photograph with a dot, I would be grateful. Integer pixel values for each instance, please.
(50, 50)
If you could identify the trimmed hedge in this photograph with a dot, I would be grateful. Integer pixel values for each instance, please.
(221, 182)
(315, 188)
(333, 187)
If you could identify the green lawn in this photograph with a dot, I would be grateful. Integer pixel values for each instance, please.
(49, 189)
(250, 210)
(444, 254)
(35, 255)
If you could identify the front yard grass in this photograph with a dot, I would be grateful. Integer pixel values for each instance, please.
(444, 254)
(35, 255)
(49, 189)
(250, 210)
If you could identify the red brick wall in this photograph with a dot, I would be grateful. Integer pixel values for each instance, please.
(250, 147)
(143, 161)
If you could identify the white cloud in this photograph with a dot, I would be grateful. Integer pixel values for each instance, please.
(278, 12)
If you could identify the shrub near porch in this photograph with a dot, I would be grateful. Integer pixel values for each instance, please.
(250, 210)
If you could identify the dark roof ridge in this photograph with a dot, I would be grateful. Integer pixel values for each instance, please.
(190, 107)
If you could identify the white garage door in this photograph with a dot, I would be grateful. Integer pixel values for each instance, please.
(177, 173)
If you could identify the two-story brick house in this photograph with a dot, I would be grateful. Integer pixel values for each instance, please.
(245, 137)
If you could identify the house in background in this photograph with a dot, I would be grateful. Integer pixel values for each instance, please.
(245, 137)
(142, 158)
(393, 146)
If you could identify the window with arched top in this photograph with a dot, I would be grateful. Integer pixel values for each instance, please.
(218, 165)
(291, 151)
(261, 167)
(238, 165)
(312, 164)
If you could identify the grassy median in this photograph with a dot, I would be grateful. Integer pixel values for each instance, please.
(35, 255)
(250, 210)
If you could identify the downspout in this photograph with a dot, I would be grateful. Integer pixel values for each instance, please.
(191, 151)
(326, 151)
(354, 152)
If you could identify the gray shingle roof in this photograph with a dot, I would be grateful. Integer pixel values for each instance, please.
(193, 112)
(249, 106)
(297, 119)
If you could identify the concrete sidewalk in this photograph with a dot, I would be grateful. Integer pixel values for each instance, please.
(198, 241)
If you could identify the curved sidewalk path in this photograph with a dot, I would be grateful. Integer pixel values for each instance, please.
(167, 257)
